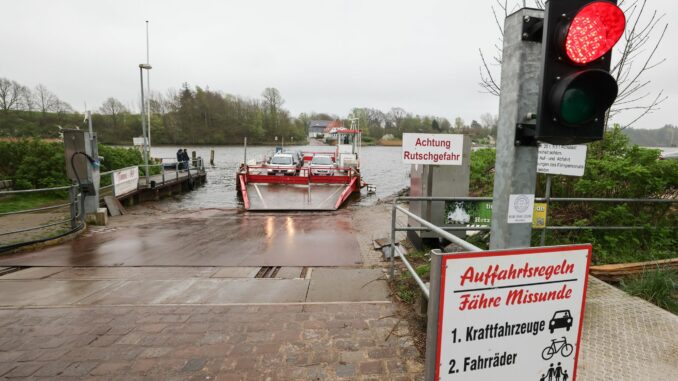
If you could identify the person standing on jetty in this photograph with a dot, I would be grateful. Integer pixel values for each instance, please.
(180, 158)
(186, 158)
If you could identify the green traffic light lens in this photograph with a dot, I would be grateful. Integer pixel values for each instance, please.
(578, 99)
(577, 106)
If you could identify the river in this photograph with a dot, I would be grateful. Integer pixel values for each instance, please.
(380, 166)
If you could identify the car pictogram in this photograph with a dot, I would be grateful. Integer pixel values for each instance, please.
(561, 319)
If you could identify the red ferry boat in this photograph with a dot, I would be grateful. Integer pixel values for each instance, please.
(321, 180)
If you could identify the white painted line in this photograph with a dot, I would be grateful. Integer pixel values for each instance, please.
(331, 195)
(260, 196)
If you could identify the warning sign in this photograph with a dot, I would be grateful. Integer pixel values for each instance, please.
(438, 149)
(512, 315)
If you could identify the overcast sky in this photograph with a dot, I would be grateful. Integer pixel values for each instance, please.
(323, 55)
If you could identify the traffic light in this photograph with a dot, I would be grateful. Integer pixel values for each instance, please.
(576, 87)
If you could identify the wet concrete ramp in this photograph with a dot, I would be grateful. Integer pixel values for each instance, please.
(294, 197)
(222, 239)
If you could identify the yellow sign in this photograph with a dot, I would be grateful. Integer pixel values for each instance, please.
(539, 215)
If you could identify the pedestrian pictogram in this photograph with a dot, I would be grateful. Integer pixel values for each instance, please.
(555, 373)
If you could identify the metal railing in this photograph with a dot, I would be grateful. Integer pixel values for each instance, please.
(75, 219)
(444, 231)
(74, 216)
(177, 169)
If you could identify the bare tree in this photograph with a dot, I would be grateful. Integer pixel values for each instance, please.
(397, 114)
(11, 93)
(459, 124)
(26, 101)
(636, 56)
(45, 99)
(63, 108)
(273, 102)
(114, 108)
(488, 120)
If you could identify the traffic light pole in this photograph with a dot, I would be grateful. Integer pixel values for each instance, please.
(516, 161)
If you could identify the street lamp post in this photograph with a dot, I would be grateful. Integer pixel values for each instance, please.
(143, 121)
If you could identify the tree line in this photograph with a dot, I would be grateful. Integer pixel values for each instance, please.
(196, 115)
(376, 123)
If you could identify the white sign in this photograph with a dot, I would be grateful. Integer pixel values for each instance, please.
(138, 141)
(562, 160)
(520, 209)
(438, 149)
(125, 181)
(512, 315)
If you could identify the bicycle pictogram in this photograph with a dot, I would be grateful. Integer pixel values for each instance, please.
(556, 346)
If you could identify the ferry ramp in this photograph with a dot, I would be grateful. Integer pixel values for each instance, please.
(309, 197)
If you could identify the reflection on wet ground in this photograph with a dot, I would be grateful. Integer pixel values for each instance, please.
(224, 238)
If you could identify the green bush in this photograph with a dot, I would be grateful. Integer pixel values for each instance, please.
(614, 169)
(482, 172)
(32, 164)
(119, 157)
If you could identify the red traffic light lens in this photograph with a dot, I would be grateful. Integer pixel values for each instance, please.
(594, 31)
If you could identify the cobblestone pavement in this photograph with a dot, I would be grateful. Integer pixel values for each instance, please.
(357, 341)
(626, 338)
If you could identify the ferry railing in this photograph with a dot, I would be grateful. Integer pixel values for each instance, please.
(262, 169)
(75, 218)
(444, 231)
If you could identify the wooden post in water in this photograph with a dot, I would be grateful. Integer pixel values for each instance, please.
(193, 156)
(211, 157)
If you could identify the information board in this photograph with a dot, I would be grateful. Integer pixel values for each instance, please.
(561, 160)
(437, 149)
(125, 180)
(512, 315)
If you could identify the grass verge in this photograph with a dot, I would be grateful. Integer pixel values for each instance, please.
(26, 201)
(659, 287)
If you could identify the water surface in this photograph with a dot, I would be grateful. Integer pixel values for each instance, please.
(380, 166)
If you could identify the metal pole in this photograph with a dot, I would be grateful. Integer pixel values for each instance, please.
(89, 123)
(547, 195)
(516, 170)
(73, 196)
(391, 271)
(432, 315)
(143, 127)
(148, 86)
